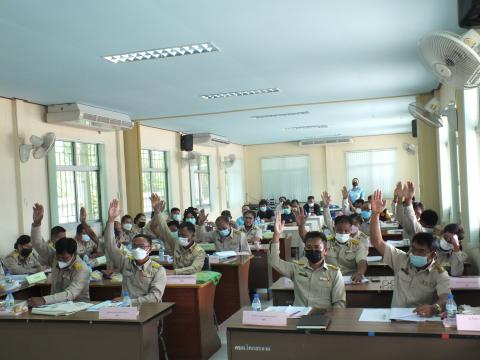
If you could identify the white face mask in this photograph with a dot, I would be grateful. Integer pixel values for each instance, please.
(127, 227)
(358, 211)
(445, 245)
(183, 241)
(342, 238)
(139, 254)
(310, 204)
(62, 264)
(85, 237)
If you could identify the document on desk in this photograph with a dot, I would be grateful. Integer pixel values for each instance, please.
(225, 254)
(465, 282)
(374, 258)
(408, 314)
(468, 322)
(397, 243)
(347, 280)
(107, 303)
(264, 318)
(293, 312)
(375, 315)
(64, 308)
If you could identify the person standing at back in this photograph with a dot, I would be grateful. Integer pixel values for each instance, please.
(356, 192)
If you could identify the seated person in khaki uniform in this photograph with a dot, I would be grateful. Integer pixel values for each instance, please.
(225, 237)
(419, 281)
(144, 279)
(316, 283)
(22, 260)
(450, 252)
(228, 215)
(349, 255)
(357, 234)
(70, 275)
(56, 233)
(87, 240)
(252, 232)
(128, 231)
(188, 256)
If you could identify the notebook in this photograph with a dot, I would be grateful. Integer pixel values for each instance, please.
(314, 322)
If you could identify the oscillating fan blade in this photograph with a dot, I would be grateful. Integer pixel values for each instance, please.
(421, 114)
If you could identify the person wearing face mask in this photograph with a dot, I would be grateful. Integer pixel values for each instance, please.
(419, 281)
(128, 230)
(281, 200)
(428, 218)
(450, 254)
(191, 217)
(356, 233)
(366, 214)
(225, 237)
(175, 214)
(288, 216)
(22, 260)
(87, 240)
(188, 256)
(343, 251)
(70, 275)
(228, 215)
(316, 283)
(311, 208)
(144, 279)
(356, 192)
(252, 232)
(240, 220)
(264, 213)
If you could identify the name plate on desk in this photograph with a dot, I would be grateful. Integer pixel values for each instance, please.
(118, 313)
(101, 260)
(468, 322)
(472, 282)
(212, 259)
(264, 318)
(181, 279)
(35, 278)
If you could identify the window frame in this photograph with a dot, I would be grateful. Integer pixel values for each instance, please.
(197, 172)
(151, 170)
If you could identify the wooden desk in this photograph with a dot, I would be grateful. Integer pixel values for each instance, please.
(193, 313)
(375, 294)
(378, 268)
(83, 335)
(345, 337)
(260, 274)
(232, 292)
(386, 236)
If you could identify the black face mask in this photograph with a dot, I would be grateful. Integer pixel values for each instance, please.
(141, 224)
(25, 252)
(314, 256)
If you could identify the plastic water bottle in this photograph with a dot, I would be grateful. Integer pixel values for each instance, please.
(8, 278)
(127, 302)
(451, 307)
(9, 301)
(256, 305)
(161, 253)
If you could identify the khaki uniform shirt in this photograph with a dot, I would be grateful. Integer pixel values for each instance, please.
(86, 248)
(68, 284)
(414, 287)
(185, 261)
(236, 241)
(320, 288)
(363, 238)
(346, 256)
(146, 283)
(253, 232)
(453, 260)
(17, 264)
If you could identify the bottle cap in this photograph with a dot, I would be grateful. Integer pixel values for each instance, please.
(125, 293)
(450, 296)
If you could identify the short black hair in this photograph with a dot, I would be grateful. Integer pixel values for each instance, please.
(174, 209)
(226, 213)
(294, 201)
(429, 218)
(145, 236)
(65, 244)
(192, 212)
(263, 202)
(138, 216)
(359, 202)
(428, 239)
(356, 217)
(80, 229)
(126, 217)
(287, 203)
(57, 230)
(314, 235)
(222, 218)
(417, 205)
(174, 223)
(455, 229)
(311, 197)
(22, 240)
(190, 227)
(343, 219)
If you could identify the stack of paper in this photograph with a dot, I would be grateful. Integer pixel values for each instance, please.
(398, 314)
(9, 286)
(347, 280)
(374, 258)
(225, 254)
(293, 312)
(64, 308)
(397, 243)
(103, 304)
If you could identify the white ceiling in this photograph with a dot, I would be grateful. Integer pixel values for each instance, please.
(316, 52)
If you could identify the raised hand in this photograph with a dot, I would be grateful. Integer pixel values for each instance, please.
(158, 205)
(202, 217)
(83, 215)
(279, 224)
(37, 214)
(377, 204)
(300, 217)
(398, 193)
(113, 210)
(345, 192)
(325, 199)
(410, 191)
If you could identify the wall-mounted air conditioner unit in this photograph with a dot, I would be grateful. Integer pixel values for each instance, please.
(326, 141)
(207, 139)
(90, 117)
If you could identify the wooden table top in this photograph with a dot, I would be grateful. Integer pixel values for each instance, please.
(345, 321)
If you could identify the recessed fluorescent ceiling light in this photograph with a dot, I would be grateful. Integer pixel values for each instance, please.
(307, 127)
(163, 53)
(281, 114)
(239, 93)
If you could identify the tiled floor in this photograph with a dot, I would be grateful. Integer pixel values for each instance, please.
(221, 354)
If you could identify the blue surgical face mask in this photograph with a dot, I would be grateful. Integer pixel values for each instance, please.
(177, 217)
(224, 232)
(240, 221)
(191, 220)
(287, 211)
(418, 261)
(174, 234)
(85, 237)
(366, 214)
(263, 208)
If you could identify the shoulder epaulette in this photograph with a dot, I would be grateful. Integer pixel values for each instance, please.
(439, 268)
(77, 266)
(129, 257)
(330, 238)
(332, 266)
(15, 254)
(156, 265)
(355, 242)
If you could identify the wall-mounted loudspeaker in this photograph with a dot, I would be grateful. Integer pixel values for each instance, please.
(186, 142)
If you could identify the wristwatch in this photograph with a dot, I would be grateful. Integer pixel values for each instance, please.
(437, 308)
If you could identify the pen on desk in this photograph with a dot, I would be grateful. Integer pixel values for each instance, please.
(295, 313)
